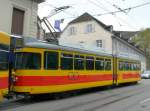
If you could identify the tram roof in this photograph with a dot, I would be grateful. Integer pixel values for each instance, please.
(5, 38)
(1, 50)
(34, 43)
(40, 44)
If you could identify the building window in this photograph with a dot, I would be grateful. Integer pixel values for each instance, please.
(100, 43)
(17, 21)
(89, 28)
(72, 31)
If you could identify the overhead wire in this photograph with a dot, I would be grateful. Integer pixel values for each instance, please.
(107, 12)
(122, 10)
(97, 5)
(126, 13)
(110, 12)
(103, 8)
(48, 4)
(117, 18)
(129, 8)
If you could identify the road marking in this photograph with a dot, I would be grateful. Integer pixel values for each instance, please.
(144, 101)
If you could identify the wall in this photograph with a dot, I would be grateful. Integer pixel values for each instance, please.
(121, 49)
(30, 20)
(87, 40)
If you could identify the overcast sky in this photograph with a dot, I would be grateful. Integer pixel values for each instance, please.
(134, 19)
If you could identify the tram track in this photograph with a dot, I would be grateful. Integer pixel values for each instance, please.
(112, 94)
(110, 100)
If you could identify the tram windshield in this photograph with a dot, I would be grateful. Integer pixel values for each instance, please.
(25, 60)
(3, 60)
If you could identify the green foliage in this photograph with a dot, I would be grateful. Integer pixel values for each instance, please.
(142, 39)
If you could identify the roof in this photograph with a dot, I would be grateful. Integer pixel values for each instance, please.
(129, 44)
(34, 43)
(39, 1)
(87, 17)
(126, 35)
(45, 45)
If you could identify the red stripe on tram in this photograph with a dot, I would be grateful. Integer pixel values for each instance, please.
(3, 82)
(60, 80)
(131, 76)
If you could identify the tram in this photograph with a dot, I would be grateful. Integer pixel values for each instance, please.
(42, 68)
(8, 43)
(4, 70)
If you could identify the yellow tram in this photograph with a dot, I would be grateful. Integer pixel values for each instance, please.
(4, 71)
(7, 44)
(44, 68)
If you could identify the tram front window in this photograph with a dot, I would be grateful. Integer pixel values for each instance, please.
(26, 60)
(3, 60)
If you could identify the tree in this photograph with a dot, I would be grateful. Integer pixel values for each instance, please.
(142, 40)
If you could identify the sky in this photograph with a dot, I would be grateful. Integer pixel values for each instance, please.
(132, 20)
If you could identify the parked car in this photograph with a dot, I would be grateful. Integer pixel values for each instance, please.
(146, 75)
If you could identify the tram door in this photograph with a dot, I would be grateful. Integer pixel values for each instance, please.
(115, 72)
(4, 72)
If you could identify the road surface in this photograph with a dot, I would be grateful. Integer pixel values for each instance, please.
(127, 98)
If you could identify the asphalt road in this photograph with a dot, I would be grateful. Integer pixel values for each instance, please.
(126, 98)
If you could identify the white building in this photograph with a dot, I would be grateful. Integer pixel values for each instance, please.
(121, 48)
(88, 33)
(19, 17)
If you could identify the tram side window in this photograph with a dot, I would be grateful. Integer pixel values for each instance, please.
(51, 60)
(89, 63)
(127, 66)
(3, 60)
(132, 67)
(66, 61)
(99, 64)
(26, 60)
(107, 64)
(121, 66)
(78, 62)
(138, 66)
